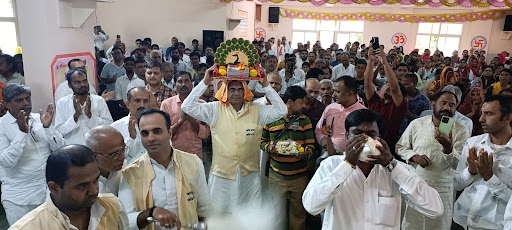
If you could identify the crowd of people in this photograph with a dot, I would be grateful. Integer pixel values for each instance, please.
(164, 145)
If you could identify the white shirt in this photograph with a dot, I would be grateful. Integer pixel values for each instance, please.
(482, 203)
(298, 76)
(180, 66)
(122, 86)
(340, 70)
(97, 212)
(64, 90)
(135, 147)
(74, 132)
(99, 40)
(354, 202)
(208, 112)
(110, 184)
(133, 84)
(23, 159)
(163, 189)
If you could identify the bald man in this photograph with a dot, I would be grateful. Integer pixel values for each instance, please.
(108, 145)
(275, 81)
(314, 108)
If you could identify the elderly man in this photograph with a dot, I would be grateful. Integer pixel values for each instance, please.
(367, 192)
(165, 185)
(78, 113)
(26, 140)
(434, 156)
(137, 101)
(236, 126)
(187, 131)
(108, 145)
(344, 69)
(326, 92)
(74, 203)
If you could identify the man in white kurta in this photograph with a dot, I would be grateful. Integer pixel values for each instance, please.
(137, 101)
(367, 195)
(78, 113)
(434, 156)
(24, 148)
(236, 127)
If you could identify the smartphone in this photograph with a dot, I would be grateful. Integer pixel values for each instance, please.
(118, 36)
(446, 125)
(375, 42)
(98, 27)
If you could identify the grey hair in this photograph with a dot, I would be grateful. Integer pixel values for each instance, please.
(154, 51)
(92, 137)
(327, 81)
(13, 90)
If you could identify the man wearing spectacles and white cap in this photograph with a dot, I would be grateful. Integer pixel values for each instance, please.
(108, 145)
(26, 140)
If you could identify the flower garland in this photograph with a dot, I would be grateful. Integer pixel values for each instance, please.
(432, 3)
(387, 17)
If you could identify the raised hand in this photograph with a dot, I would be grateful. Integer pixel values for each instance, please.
(445, 141)
(88, 106)
(472, 159)
(208, 76)
(131, 127)
(385, 154)
(78, 108)
(108, 95)
(47, 117)
(22, 120)
(354, 148)
(484, 165)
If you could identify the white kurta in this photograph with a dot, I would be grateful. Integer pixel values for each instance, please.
(355, 202)
(418, 139)
(23, 160)
(74, 132)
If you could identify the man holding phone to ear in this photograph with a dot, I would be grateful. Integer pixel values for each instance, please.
(99, 39)
(435, 155)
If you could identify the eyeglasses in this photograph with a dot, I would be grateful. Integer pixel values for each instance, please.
(116, 153)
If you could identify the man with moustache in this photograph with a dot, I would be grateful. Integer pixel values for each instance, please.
(155, 85)
(137, 101)
(313, 107)
(123, 82)
(270, 65)
(236, 125)
(187, 131)
(140, 72)
(175, 59)
(108, 145)
(74, 203)
(326, 91)
(78, 113)
(63, 88)
(434, 156)
(289, 172)
(208, 93)
(483, 173)
(275, 80)
(26, 140)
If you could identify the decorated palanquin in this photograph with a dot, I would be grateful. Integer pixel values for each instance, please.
(237, 59)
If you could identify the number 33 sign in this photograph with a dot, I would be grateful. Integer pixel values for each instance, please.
(399, 39)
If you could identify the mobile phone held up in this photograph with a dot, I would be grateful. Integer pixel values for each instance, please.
(375, 43)
(446, 124)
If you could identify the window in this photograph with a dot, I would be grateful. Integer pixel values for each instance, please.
(8, 36)
(442, 36)
(327, 32)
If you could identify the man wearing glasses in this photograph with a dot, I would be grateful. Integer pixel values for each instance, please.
(108, 145)
(26, 140)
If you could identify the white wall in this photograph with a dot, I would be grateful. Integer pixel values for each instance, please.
(42, 39)
(491, 30)
(232, 11)
(160, 20)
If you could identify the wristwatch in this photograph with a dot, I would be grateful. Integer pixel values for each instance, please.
(392, 164)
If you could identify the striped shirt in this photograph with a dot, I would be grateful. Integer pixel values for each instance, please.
(302, 132)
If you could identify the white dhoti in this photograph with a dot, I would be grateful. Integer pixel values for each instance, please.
(229, 195)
